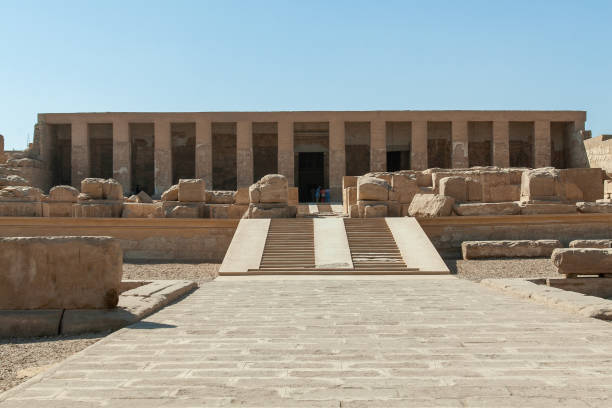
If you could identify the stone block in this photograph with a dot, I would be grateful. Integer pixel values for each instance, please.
(372, 189)
(496, 187)
(375, 211)
(591, 243)
(547, 208)
(431, 205)
(93, 210)
(13, 180)
(394, 209)
(349, 181)
(60, 272)
(93, 187)
(588, 180)
(455, 187)
(219, 211)
(406, 186)
(475, 209)
(184, 211)
(170, 194)
(540, 184)
(351, 195)
(142, 210)
(404, 211)
(353, 211)
(112, 190)
(597, 207)
(192, 191)
(474, 189)
(237, 211)
(423, 179)
(30, 323)
(220, 197)
(509, 248)
(20, 209)
(57, 209)
(21, 193)
(582, 261)
(144, 198)
(64, 193)
(263, 210)
(241, 196)
(293, 196)
(271, 189)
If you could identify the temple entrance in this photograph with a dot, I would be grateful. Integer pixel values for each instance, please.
(311, 174)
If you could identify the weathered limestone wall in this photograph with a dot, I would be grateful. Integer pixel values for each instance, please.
(599, 152)
(140, 239)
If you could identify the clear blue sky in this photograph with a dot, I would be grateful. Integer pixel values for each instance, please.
(80, 56)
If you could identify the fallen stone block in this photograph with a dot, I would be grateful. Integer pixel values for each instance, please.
(372, 189)
(406, 186)
(191, 190)
(474, 190)
(241, 196)
(582, 261)
(540, 184)
(93, 187)
(59, 272)
(591, 243)
(597, 207)
(183, 211)
(21, 209)
(375, 211)
(349, 181)
(142, 210)
(271, 189)
(293, 196)
(454, 187)
(547, 208)
(13, 180)
(144, 198)
(431, 205)
(21, 193)
(475, 209)
(112, 190)
(260, 210)
(220, 197)
(171, 194)
(67, 194)
(509, 248)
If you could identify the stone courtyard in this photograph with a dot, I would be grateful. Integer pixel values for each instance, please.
(339, 342)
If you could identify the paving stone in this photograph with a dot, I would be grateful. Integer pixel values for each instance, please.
(333, 342)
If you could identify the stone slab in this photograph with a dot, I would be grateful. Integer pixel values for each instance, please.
(414, 245)
(29, 323)
(331, 244)
(522, 248)
(246, 249)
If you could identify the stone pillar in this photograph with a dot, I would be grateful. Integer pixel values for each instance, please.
(501, 143)
(163, 156)
(285, 150)
(79, 156)
(378, 145)
(2, 157)
(203, 152)
(337, 158)
(460, 144)
(418, 149)
(577, 156)
(542, 143)
(122, 154)
(244, 153)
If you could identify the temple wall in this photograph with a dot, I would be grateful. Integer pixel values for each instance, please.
(599, 152)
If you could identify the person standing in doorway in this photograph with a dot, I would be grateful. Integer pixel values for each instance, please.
(317, 194)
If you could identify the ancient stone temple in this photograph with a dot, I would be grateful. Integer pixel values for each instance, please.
(229, 150)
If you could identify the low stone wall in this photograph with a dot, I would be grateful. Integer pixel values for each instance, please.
(447, 233)
(161, 239)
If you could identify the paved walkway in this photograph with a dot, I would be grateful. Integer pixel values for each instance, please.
(340, 342)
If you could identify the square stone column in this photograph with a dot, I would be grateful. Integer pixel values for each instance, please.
(203, 152)
(244, 153)
(378, 145)
(122, 154)
(501, 143)
(285, 150)
(163, 156)
(418, 149)
(460, 144)
(79, 156)
(542, 143)
(337, 158)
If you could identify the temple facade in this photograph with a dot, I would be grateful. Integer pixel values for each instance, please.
(152, 151)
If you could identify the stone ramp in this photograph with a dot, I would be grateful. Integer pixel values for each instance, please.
(338, 341)
(331, 246)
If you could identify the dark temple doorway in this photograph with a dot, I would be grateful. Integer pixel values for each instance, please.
(311, 174)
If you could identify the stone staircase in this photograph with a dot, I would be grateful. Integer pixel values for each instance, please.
(322, 246)
(289, 247)
(373, 248)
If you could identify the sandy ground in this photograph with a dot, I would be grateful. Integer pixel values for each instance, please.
(21, 359)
